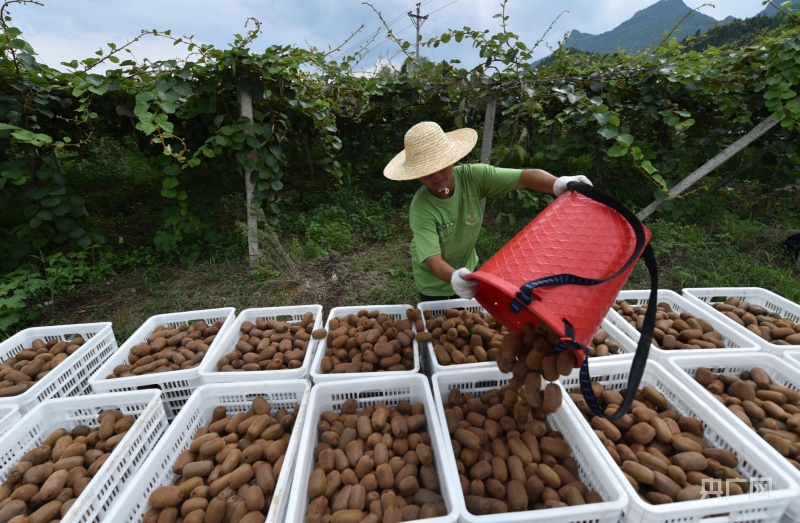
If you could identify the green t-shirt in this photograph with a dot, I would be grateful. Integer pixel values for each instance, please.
(450, 227)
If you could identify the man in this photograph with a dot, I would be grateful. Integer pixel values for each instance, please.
(445, 214)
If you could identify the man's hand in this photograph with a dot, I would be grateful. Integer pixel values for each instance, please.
(465, 289)
(561, 183)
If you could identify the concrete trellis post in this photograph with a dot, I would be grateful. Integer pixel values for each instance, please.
(246, 109)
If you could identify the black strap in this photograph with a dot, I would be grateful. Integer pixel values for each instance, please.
(639, 358)
(641, 249)
(525, 295)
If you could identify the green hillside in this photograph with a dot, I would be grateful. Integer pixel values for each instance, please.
(772, 10)
(735, 34)
(643, 29)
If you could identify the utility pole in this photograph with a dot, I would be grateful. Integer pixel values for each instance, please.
(417, 20)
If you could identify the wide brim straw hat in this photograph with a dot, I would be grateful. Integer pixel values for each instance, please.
(428, 149)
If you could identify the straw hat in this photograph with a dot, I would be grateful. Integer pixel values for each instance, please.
(428, 149)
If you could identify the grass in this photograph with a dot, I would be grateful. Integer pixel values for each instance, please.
(728, 253)
(731, 253)
(371, 274)
(338, 247)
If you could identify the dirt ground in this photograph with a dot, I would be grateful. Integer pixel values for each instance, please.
(374, 275)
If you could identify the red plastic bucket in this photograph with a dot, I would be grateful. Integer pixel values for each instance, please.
(574, 235)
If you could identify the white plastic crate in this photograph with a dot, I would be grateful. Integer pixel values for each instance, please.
(176, 386)
(430, 365)
(685, 368)
(397, 312)
(733, 339)
(125, 459)
(627, 345)
(793, 357)
(9, 414)
(753, 463)
(208, 367)
(755, 295)
(593, 472)
(69, 378)
(368, 391)
(235, 397)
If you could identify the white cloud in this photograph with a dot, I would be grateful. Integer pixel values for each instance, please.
(62, 31)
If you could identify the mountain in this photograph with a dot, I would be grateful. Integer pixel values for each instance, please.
(644, 28)
(770, 10)
(735, 34)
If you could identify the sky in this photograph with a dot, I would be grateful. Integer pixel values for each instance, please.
(64, 30)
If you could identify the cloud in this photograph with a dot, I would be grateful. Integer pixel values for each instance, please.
(62, 31)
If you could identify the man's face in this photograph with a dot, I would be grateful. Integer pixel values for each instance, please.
(438, 181)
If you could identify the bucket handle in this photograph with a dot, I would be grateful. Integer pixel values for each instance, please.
(639, 358)
(641, 249)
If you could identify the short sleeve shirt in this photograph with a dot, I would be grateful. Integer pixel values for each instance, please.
(450, 227)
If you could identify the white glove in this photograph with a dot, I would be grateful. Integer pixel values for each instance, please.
(561, 183)
(465, 289)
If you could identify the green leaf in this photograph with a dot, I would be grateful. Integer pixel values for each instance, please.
(146, 128)
(50, 201)
(145, 96)
(625, 138)
(277, 151)
(24, 135)
(65, 224)
(40, 140)
(603, 118)
(608, 132)
(167, 107)
(169, 183)
(618, 150)
(60, 209)
(141, 109)
(647, 166)
(169, 193)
